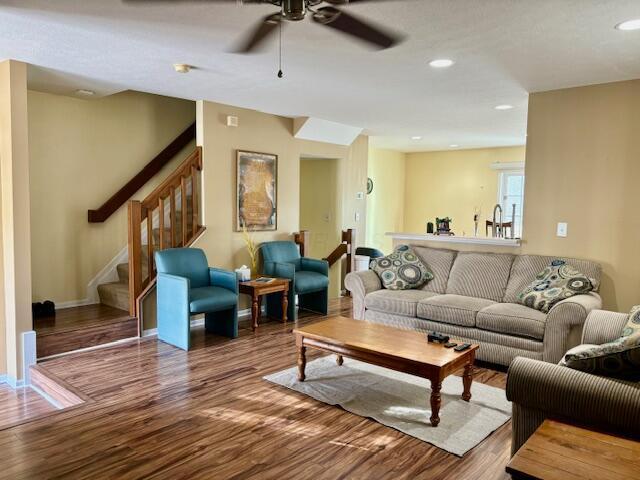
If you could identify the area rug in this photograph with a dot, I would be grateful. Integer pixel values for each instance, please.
(401, 401)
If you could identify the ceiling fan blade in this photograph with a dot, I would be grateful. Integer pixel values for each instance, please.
(266, 27)
(347, 23)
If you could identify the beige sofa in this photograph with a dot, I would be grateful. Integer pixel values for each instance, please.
(473, 298)
(540, 390)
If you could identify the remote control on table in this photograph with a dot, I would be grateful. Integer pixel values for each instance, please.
(450, 344)
(461, 347)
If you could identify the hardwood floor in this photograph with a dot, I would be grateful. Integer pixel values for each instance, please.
(20, 405)
(82, 327)
(159, 412)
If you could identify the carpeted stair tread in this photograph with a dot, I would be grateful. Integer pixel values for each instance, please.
(115, 294)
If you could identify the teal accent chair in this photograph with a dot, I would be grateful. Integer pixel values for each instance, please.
(309, 279)
(187, 286)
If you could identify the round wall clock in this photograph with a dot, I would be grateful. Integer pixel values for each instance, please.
(369, 186)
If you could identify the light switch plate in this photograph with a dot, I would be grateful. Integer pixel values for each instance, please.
(357, 216)
(562, 229)
(359, 195)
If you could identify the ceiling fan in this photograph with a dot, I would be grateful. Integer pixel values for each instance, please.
(297, 10)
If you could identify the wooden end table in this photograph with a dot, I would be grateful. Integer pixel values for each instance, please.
(256, 290)
(559, 451)
(400, 350)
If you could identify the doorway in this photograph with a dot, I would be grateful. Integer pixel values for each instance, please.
(319, 212)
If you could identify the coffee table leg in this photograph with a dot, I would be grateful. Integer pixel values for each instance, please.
(285, 305)
(255, 312)
(436, 401)
(339, 360)
(467, 378)
(302, 362)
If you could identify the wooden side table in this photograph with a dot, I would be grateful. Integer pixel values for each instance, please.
(256, 290)
(558, 451)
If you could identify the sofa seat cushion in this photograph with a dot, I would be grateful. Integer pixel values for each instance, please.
(211, 299)
(452, 309)
(512, 319)
(397, 302)
(308, 282)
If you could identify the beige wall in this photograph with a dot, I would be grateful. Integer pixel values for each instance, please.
(583, 167)
(319, 212)
(271, 134)
(83, 151)
(15, 285)
(386, 204)
(453, 183)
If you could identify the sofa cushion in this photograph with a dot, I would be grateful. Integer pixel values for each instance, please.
(211, 299)
(397, 302)
(481, 275)
(308, 282)
(401, 270)
(512, 319)
(557, 282)
(440, 261)
(526, 267)
(452, 309)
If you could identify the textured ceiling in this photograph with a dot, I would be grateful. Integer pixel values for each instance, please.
(503, 49)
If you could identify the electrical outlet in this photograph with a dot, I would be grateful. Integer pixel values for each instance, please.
(562, 229)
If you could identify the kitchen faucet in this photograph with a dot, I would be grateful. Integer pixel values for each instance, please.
(497, 230)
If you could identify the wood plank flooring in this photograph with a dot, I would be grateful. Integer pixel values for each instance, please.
(82, 327)
(159, 412)
(20, 405)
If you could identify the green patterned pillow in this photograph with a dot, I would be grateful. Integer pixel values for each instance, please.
(617, 359)
(633, 324)
(401, 270)
(555, 283)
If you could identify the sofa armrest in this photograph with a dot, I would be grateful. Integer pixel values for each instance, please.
(564, 324)
(545, 390)
(360, 284)
(315, 265)
(223, 278)
(603, 327)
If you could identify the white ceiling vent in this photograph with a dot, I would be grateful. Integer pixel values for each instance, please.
(308, 128)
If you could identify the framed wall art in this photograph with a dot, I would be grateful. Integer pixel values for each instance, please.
(257, 189)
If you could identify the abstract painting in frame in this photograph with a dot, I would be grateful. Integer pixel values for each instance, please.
(257, 189)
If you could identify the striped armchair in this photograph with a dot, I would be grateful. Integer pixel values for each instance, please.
(540, 390)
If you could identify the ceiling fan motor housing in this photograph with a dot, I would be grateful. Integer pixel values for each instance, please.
(294, 9)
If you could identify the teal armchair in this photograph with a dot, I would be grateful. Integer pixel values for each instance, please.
(187, 286)
(309, 278)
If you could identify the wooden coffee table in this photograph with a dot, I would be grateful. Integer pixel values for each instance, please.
(256, 290)
(400, 350)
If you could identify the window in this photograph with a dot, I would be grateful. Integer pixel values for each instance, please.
(512, 192)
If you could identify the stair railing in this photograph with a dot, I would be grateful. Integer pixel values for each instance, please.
(171, 210)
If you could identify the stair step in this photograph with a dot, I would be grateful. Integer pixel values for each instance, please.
(114, 294)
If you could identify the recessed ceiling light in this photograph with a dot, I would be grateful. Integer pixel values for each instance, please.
(182, 67)
(85, 93)
(416, 138)
(503, 107)
(454, 145)
(441, 63)
(629, 25)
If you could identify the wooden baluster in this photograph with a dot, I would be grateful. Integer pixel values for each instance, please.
(161, 223)
(183, 206)
(150, 243)
(172, 216)
(302, 239)
(135, 254)
(194, 199)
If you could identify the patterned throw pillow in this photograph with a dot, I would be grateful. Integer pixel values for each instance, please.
(555, 283)
(617, 359)
(401, 270)
(633, 324)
